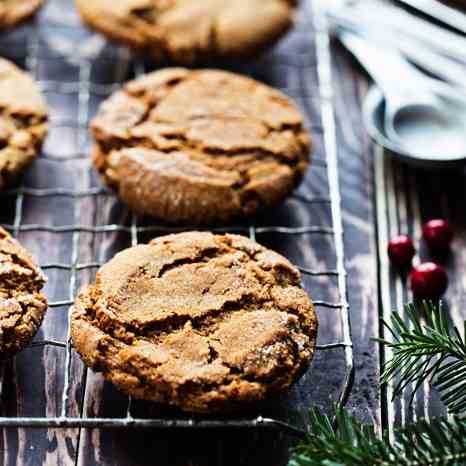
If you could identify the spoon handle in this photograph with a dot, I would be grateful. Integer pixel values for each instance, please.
(387, 67)
(439, 11)
(384, 16)
(439, 65)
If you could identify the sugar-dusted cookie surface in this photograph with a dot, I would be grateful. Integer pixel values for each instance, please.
(22, 305)
(200, 147)
(23, 121)
(201, 321)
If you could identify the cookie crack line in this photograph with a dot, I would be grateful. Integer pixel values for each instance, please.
(37, 299)
(27, 279)
(127, 333)
(246, 302)
(235, 371)
(16, 258)
(202, 258)
(22, 305)
(256, 151)
(191, 148)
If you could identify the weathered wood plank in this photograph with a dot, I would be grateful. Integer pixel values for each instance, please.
(413, 197)
(356, 180)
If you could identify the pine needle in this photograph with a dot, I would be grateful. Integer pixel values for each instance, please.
(429, 350)
(439, 442)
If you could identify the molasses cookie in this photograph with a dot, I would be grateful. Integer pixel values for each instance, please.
(200, 321)
(23, 121)
(22, 306)
(13, 12)
(200, 147)
(188, 31)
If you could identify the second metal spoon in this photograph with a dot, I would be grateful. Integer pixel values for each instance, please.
(424, 118)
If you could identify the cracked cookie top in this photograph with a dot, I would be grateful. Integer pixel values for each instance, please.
(201, 321)
(201, 146)
(23, 121)
(13, 12)
(188, 31)
(22, 306)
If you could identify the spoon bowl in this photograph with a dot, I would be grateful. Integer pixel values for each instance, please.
(422, 118)
(374, 118)
(431, 130)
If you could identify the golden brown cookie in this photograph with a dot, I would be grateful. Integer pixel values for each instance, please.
(187, 31)
(23, 121)
(22, 306)
(204, 322)
(13, 12)
(200, 146)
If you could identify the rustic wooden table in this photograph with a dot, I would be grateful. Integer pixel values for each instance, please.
(379, 198)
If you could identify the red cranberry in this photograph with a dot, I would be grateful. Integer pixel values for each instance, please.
(401, 250)
(428, 281)
(437, 234)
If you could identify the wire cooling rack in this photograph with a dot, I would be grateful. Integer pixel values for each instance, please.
(72, 224)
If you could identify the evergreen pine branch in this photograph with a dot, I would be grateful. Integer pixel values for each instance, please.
(349, 442)
(429, 350)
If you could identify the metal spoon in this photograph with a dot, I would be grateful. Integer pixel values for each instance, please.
(374, 113)
(439, 11)
(413, 49)
(423, 119)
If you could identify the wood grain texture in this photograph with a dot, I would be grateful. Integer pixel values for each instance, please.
(410, 198)
(356, 181)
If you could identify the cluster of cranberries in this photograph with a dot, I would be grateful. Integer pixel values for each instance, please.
(428, 279)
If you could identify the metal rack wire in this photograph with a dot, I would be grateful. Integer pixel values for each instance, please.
(85, 89)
